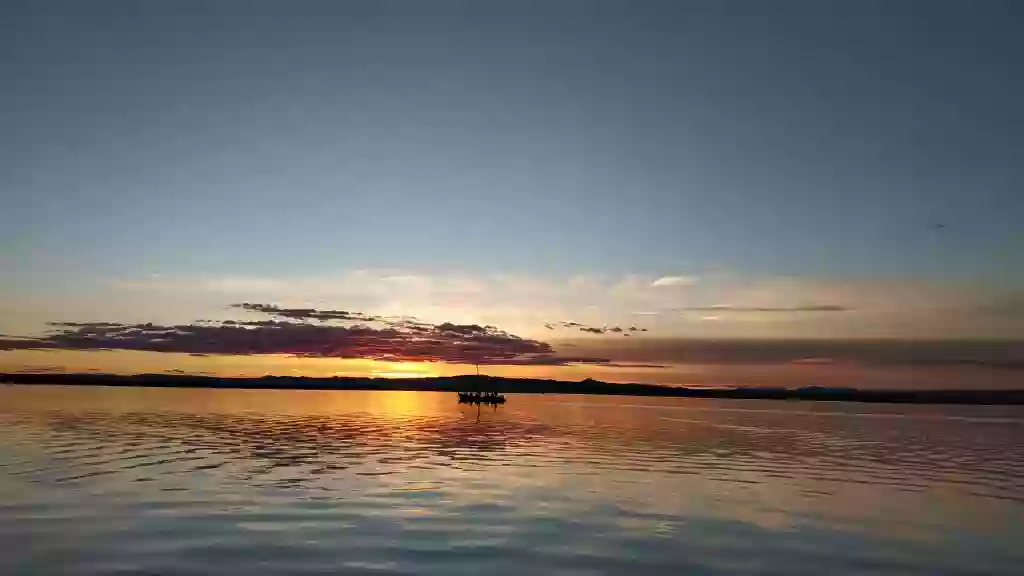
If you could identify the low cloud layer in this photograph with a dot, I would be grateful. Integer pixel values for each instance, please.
(730, 308)
(291, 331)
(993, 354)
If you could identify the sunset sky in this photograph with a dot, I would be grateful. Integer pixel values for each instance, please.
(743, 193)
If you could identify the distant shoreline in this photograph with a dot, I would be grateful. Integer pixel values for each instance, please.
(522, 386)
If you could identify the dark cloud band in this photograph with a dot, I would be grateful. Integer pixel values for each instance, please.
(595, 329)
(290, 332)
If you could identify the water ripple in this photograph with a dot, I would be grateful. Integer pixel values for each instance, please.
(194, 481)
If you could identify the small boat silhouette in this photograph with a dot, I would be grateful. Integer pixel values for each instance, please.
(481, 398)
(478, 396)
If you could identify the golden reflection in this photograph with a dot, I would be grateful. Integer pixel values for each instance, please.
(768, 464)
(404, 370)
(401, 403)
(387, 404)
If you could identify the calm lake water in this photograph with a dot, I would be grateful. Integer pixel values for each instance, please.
(147, 481)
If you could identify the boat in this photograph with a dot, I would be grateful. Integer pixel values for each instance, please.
(492, 398)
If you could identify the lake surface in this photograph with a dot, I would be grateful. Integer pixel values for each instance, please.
(149, 481)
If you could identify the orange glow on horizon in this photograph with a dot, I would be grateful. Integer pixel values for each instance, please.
(682, 374)
(130, 362)
(404, 370)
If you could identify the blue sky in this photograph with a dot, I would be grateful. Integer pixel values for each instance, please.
(549, 140)
(798, 137)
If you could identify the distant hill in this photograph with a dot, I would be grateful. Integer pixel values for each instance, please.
(519, 385)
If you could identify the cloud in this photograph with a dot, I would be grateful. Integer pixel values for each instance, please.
(596, 329)
(674, 281)
(761, 306)
(445, 344)
(306, 313)
(463, 329)
(84, 324)
(730, 308)
(992, 354)
(398, 339)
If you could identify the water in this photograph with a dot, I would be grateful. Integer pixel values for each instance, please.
(147, 481)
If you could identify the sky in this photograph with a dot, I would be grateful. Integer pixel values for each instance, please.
(772, 193)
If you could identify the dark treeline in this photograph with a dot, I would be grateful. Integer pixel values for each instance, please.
(521, 385)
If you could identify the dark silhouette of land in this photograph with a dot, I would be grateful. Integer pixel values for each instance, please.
(499, 385)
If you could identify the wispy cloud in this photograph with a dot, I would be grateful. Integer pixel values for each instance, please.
(595, 329)
(307, 313)
(674, 281)
(746, 306)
